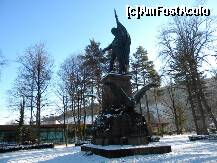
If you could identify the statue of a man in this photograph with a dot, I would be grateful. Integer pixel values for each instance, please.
(120, 47)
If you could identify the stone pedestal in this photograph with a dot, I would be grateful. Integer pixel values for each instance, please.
(118, 124)
(117, 127)
(117, 152)
(108, 98)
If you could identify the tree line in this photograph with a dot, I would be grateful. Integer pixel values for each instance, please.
(183, 45)
(186, 43)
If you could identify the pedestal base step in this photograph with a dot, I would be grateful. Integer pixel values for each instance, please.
(123, 152)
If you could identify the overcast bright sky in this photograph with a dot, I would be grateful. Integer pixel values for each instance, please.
(65, 26)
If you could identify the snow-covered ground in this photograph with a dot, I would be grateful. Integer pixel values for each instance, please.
(182, 151)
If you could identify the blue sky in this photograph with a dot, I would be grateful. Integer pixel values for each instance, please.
(65, 26)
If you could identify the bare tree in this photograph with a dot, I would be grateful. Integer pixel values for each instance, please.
(184, 42)
(72, 77)
(36, 74)
(175, 101)
(62, 94)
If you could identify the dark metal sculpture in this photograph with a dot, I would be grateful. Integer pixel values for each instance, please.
(120, 47)
(126, 100)
(121, 124)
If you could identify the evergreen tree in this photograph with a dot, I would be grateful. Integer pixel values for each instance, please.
(20, 129)
(143, 73)
(94, 65)
(142, 69)
(93, 61)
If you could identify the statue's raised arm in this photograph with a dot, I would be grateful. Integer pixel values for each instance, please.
(120, 47)
(116, 17)
(122, 30)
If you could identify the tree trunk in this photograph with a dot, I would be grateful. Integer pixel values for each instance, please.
(204, 101)
(148, 115)
(85, 115)
(192, 108)
(175, 111)
(38, 118)
(196, 88)
(31, 102)
(64, 119)
(211, 115)
(92, 104)
(160, 128)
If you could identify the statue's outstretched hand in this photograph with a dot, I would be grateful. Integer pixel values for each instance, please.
(116, 17)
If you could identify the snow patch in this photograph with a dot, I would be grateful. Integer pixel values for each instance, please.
(183, 150)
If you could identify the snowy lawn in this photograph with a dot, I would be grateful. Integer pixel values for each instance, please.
(182, 151)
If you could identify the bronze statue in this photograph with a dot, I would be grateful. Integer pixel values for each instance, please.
(120, 47)
(129, 102)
